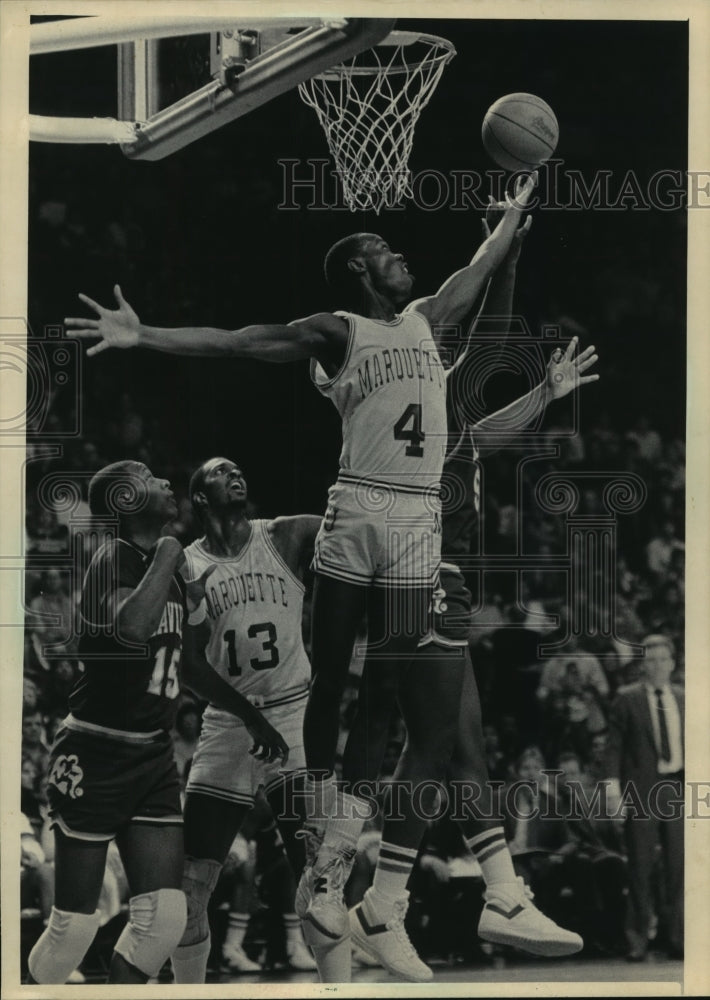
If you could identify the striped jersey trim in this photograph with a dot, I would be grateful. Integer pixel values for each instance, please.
(174, 820)
(95, 838)
(215, 792)
(433, 638)
(288, 699)
(80, 726)
(352, 479)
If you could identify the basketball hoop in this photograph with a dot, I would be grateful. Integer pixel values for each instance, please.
(369, 106)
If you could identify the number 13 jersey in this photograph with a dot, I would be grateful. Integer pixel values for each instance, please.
(254, 608)
(390, 393)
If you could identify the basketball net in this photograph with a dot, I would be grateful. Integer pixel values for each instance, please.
(369, 106)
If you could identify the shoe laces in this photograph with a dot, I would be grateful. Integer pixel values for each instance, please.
(335, 873)
(396, 925)
(519, 891)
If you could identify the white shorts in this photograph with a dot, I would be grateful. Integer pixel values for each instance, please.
(223, 767)
(377, 534)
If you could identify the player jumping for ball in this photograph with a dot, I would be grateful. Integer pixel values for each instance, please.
(509, 916)
(378, 549)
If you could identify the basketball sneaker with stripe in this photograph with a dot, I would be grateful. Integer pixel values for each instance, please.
(387, 941)
(326, 918)
(510, 917)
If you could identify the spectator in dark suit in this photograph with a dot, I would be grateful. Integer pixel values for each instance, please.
(646, 760)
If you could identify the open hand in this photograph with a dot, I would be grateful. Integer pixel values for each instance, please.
(115, 327)
(564, 371)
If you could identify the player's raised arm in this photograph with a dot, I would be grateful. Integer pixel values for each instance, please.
(565, 373)
(136, 613)
(322, 336)
(457, 295)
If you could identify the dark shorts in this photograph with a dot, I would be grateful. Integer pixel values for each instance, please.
(450, 615)
(98, 785)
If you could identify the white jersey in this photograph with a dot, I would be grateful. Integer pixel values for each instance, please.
(391, 395)
(254, 608)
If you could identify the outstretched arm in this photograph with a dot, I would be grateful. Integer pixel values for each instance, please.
(498, 303)
(322, 336)
(457, 295)
(564, 374)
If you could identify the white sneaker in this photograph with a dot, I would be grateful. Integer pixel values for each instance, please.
(510, 917)
(299, 957)
(389, 942)
(304, 889)
(76, 977)
(238, 960)
(326, 919)
(362, 958)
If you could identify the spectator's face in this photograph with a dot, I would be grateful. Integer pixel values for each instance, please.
(28, 774)
(658, 665)
(29, 695)
(52, 581)
(529, 767)
(571, 771)
(32, 729)
(64, 671)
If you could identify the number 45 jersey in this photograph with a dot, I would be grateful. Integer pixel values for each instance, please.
(390, 393)
(254, 609)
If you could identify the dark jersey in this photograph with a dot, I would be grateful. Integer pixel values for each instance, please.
(125, 686)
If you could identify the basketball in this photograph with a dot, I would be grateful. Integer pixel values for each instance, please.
(520, 132)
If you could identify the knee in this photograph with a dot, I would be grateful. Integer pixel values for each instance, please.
(155, 925)
(200, 876)
(62, 945)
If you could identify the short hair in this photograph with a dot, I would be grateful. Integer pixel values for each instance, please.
(114, 490)
(658, 639)
(335, 266)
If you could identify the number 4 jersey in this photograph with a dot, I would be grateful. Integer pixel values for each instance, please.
(254, 608)
(391, 395)
(128, 688)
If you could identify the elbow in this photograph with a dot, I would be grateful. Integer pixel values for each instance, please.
(132, 631)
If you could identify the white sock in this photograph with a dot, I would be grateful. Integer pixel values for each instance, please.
(236, 929)
(394, 866)
(320, 802)
(493, 855)
(346, 823)
(190, 962)
(293, 929)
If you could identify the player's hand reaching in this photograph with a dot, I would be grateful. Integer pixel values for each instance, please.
(115, 327)
(269, 745)
(523, 192)
(195, 589)
(565, 372)
(494, 213)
